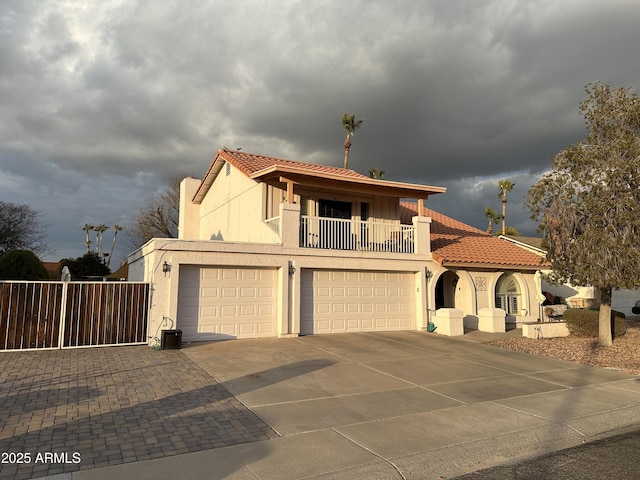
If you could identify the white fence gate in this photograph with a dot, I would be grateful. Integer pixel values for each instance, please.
(47, 315)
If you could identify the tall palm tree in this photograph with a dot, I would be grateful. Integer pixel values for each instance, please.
(116, 229)
(86, 227)
(505, 187)
(100, 229)
(492, 217)
(350, 125)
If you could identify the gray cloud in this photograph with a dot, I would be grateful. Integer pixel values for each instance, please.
(101, 101)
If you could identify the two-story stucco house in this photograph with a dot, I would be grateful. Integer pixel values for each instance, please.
(270, 247)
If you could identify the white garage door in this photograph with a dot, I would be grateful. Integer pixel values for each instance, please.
(335, 301)
(217, 303)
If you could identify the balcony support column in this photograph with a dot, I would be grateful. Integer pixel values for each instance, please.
(422, 226)
(290, 224)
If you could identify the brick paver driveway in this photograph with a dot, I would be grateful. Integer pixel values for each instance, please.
(68, 410)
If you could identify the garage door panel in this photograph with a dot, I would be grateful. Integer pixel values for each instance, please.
(206, 311)
(227, 311)
(359, 301)
(338, 292)
(266, 311)
(269, 293)
(229, 273)
(323, 292)
(217, 303)
(208, 274)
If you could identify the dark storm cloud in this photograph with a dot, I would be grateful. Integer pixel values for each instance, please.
(99, 101)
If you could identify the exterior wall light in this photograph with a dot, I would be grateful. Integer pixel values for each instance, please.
(166, 267)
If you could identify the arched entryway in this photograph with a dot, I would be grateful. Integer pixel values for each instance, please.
(445, 294)
(508, 294)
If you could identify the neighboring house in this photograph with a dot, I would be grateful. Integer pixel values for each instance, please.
(270, 247)
(120, 275)
(53, 269)
(582, 297)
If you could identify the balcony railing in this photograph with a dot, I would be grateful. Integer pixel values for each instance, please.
(339, 234)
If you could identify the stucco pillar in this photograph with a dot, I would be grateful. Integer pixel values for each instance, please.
(449, 321)
(189, 221)
(491, 320)
(290, 225)
(422, 226)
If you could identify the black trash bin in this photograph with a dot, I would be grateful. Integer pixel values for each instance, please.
(171, 339)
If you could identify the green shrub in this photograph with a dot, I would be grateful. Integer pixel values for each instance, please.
(584, 323)
(21, 265)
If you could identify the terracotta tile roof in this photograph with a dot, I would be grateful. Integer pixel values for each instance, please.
(456, 243)
(263, 168)
(250, 163)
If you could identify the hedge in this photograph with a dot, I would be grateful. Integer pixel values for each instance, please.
(584, 323)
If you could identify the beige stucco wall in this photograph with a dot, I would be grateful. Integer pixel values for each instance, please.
(146, 265)
(475, 290)
(233, 210)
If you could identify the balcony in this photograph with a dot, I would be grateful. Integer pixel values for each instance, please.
(347, 234)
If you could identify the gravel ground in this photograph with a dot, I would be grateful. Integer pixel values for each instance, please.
(623, 355)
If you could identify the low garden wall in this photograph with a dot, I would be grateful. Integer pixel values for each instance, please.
(545, 330)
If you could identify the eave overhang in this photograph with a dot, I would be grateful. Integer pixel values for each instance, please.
(280, 175)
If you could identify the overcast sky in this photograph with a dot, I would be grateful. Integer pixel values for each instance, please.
(100, 101)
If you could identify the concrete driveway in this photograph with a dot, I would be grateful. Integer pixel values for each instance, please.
(400, 405)
(410, 404)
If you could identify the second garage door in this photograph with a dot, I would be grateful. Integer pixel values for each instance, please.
(217, 303)
(336, 301)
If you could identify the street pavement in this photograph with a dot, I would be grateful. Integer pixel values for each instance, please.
(610, 458)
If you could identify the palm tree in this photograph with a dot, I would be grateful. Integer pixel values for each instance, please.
(350, 125)
(86, 227)
(375, 173)
(116, 229)
(100, 229)
(505, 187)
(493, 217)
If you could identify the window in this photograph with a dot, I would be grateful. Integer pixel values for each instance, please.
(508, 294)
(334, 209)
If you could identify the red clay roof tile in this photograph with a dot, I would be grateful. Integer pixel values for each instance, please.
(250, 163)
(455, 242)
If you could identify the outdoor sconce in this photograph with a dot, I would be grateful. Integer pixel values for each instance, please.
(166, 267)
(292, 269)
(428, 273)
